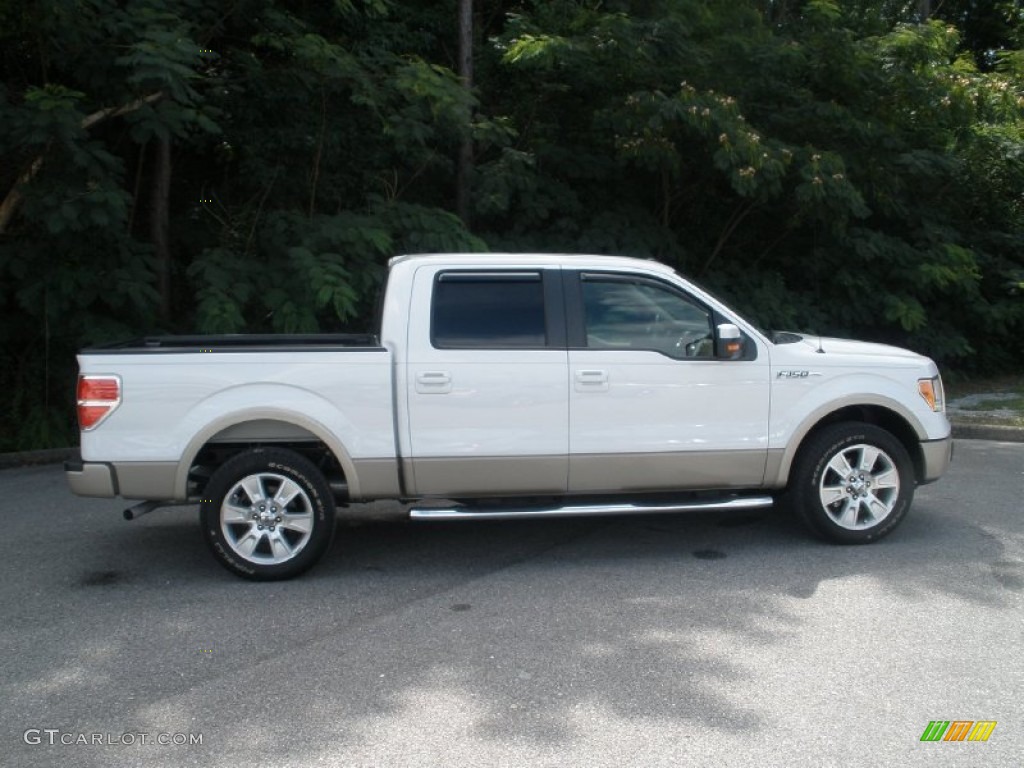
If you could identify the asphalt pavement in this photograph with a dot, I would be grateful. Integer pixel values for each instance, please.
(725, 640)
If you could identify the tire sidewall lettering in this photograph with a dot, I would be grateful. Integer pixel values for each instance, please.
(830, 454)
(308, 486)
(288, 464)
(819, 450)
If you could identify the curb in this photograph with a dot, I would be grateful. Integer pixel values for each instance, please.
(31, 458)
(998, 432)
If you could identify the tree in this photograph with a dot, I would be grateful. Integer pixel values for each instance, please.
(462, 192)
(179, 167)
(827, 178)
(170, 165)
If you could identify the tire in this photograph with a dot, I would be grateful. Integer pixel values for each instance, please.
(267, 514)
(852, 483)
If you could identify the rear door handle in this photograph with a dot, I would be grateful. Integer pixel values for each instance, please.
(591, 381)
(433, 382)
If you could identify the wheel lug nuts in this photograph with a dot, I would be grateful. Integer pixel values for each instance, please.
(278, 519)
(259, 527)
(271, 528)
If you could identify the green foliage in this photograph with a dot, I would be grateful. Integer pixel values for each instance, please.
(865, 174)
(307, 146)
(321, 273)
(842, 167)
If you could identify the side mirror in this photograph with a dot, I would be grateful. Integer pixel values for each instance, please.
(728, 342)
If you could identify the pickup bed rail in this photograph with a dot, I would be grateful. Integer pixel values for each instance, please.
(243, 342)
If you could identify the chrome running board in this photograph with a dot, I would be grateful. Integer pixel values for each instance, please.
(588, 510)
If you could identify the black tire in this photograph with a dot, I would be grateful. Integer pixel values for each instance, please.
(267, 514)
(868, 500)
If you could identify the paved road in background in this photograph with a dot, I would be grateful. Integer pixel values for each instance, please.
(652, 641)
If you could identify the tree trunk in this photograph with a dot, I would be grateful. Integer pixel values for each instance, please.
(465, 163)
(10, 203)
(924, 10)
(159, 225)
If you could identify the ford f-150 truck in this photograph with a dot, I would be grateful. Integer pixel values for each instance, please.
(505, 386)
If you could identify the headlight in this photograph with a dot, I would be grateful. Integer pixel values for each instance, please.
(931, 391)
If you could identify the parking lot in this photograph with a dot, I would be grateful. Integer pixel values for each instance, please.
(654, 641)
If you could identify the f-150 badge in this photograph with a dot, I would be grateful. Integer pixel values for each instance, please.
(796, 374)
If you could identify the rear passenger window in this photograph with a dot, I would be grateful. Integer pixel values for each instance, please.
(488, 311)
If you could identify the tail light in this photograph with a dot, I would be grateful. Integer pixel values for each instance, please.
(98, 396)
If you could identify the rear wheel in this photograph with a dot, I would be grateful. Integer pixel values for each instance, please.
(852, 483)
(267, 514)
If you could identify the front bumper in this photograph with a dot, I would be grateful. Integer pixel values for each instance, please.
(936, 456)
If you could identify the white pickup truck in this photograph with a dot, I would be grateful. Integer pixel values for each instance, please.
(509, 386)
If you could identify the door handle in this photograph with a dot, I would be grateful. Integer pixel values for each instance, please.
(433, 382)
(591, 381)
(592, 377)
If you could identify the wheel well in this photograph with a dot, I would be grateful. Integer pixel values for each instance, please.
(233, 441)
(882, 417)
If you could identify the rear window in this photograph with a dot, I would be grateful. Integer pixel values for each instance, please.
(488, 311)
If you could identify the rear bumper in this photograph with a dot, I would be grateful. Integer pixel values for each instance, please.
(90, 478)
(130, 480)
(936, 456)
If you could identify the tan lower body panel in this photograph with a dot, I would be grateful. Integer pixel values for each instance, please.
(92, 479)
(538, 475)
(936, 457)
(490, 476)
(378, 479)
(147, 480)
(690, 470)
(773, 477)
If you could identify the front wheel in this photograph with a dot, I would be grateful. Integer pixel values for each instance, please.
(267, 514)
(852, 483)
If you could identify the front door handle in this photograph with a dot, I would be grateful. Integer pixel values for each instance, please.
(433, 382)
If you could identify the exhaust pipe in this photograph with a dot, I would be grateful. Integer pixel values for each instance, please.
(145, 507)
(142, 508)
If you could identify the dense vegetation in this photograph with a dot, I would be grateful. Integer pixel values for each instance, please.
(853, 168)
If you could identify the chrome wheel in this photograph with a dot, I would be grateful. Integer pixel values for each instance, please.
(859, 487)
(266, 518)
(267, 514)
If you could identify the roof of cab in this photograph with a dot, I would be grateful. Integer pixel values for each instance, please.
(573, 260)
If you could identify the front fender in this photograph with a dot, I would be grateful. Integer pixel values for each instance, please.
(798, 407)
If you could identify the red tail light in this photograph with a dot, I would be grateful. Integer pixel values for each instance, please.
(98, 396)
